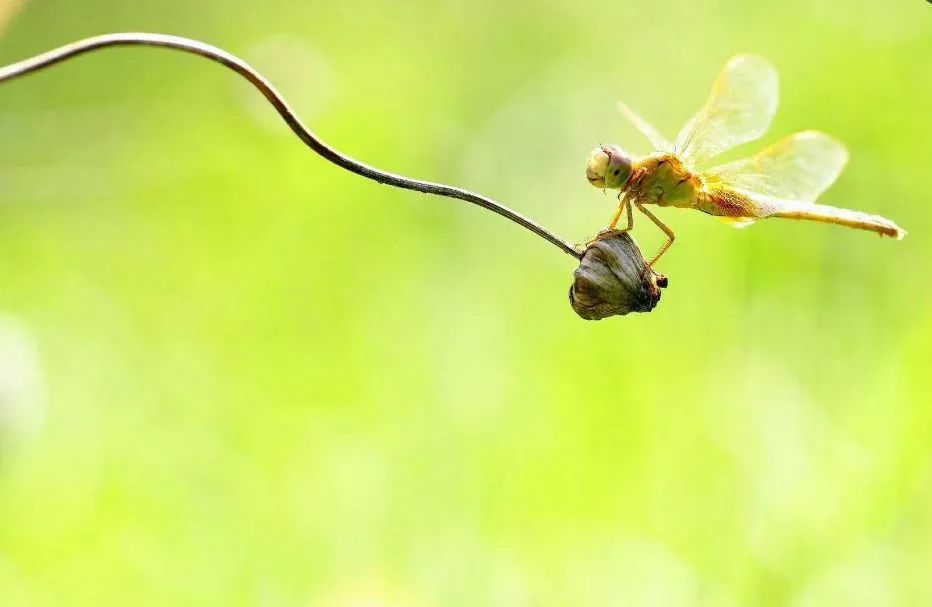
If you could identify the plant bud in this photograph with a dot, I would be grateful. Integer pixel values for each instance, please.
(613, 279)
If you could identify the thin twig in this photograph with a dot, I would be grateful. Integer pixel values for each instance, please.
(281, 106)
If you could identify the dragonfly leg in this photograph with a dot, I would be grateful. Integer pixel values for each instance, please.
(666, 230)
(623, 205)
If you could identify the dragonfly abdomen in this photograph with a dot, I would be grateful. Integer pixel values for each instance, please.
(723, 202)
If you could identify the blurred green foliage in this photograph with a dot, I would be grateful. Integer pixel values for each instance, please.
(269, 382)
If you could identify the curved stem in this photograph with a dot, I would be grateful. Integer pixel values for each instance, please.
(281, 106)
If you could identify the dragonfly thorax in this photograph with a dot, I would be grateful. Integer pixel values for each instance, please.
(662, 179)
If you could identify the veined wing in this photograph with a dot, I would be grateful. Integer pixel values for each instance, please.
(798, 167)
(657, 140)
(739, 109)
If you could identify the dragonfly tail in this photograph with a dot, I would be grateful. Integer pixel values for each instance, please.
(843, 217)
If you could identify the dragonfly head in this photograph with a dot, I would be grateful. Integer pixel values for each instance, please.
(609, 167)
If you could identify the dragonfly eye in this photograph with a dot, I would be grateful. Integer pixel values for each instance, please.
(609, 167)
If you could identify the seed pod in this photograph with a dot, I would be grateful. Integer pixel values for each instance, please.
(613, 279)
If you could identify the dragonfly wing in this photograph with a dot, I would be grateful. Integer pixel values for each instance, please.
(799, 167)
(739, 109)
(657, 140)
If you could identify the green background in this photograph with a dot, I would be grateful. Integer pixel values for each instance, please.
(261, 380)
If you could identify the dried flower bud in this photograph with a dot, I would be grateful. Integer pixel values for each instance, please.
(613, 279)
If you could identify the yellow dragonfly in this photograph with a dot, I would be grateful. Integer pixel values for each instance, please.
(784, 180)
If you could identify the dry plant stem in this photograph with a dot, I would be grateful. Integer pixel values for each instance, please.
(281, 106)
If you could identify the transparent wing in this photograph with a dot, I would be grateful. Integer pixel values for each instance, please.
(799, 167)
(657, 140)
(739, 109)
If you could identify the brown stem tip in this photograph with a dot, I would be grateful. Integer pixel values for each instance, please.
(613, 279)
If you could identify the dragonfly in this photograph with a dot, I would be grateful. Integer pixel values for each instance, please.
(783, 180)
